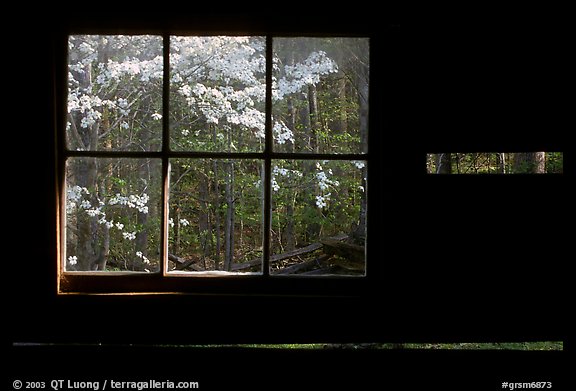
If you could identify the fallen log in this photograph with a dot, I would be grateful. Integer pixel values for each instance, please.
(278, 257)
(183, 264)
(351, 252)
(303, 266)
(290, 254)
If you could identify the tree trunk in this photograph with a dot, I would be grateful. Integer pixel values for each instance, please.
(359, 234)
(530, 163)
(217, 220)
(204, 216)
(363, 93)
(289, 235)
(313, 226)
(141, 242)
(175, 213)
(315, 125)
(292, 112)
(501, 163)
(175, 210)
(444, 163)
(343, 115)
(229, 223)
(85, 175)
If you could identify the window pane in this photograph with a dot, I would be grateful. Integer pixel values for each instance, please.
(318, 217)
(217, 93)
(215, 215)
(113, 214)
(320, 95)
(495, 163)
(114, 93)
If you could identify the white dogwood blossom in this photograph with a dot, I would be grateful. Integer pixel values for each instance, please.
(129, 235)
(301, 75)
(139, 254)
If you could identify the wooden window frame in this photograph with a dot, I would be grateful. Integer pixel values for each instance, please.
(164, 282)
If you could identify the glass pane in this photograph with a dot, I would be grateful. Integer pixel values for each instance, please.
(318, 217)
(495, 163)
(320, 95)
(114, 93)
(217, 93)
(113, 214)
(215, 215)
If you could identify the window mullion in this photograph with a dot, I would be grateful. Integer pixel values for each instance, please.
(165, 153)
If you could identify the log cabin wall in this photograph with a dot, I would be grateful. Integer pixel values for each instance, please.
(437, 272)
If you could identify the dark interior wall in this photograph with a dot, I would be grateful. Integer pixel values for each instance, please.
(456, 88)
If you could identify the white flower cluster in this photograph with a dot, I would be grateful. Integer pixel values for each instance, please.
(74, 196)
(222, 78)
(282, 172)
(219, 58)
(75, 201)
(183, 222)
(304, 74)
(237, 64)
(112, 71)
(142, 61)
(143, 257)
(321, 200)
(87, 105)
(324, 183)
(282, 133)
(90, 106)
(132, 201)
(129, 235)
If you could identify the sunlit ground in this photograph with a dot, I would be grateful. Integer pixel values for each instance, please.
(427, 346)
(534, 346)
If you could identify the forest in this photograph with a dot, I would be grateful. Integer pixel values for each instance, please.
(199, 167)
(495, 163)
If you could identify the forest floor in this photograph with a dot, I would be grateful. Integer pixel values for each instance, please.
(418, 346)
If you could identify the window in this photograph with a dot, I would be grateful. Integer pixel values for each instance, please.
(495, 163)
(212, 156)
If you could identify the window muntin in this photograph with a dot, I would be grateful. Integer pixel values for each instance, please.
(245, 97)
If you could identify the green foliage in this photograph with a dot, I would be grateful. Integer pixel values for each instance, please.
(555, 162)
